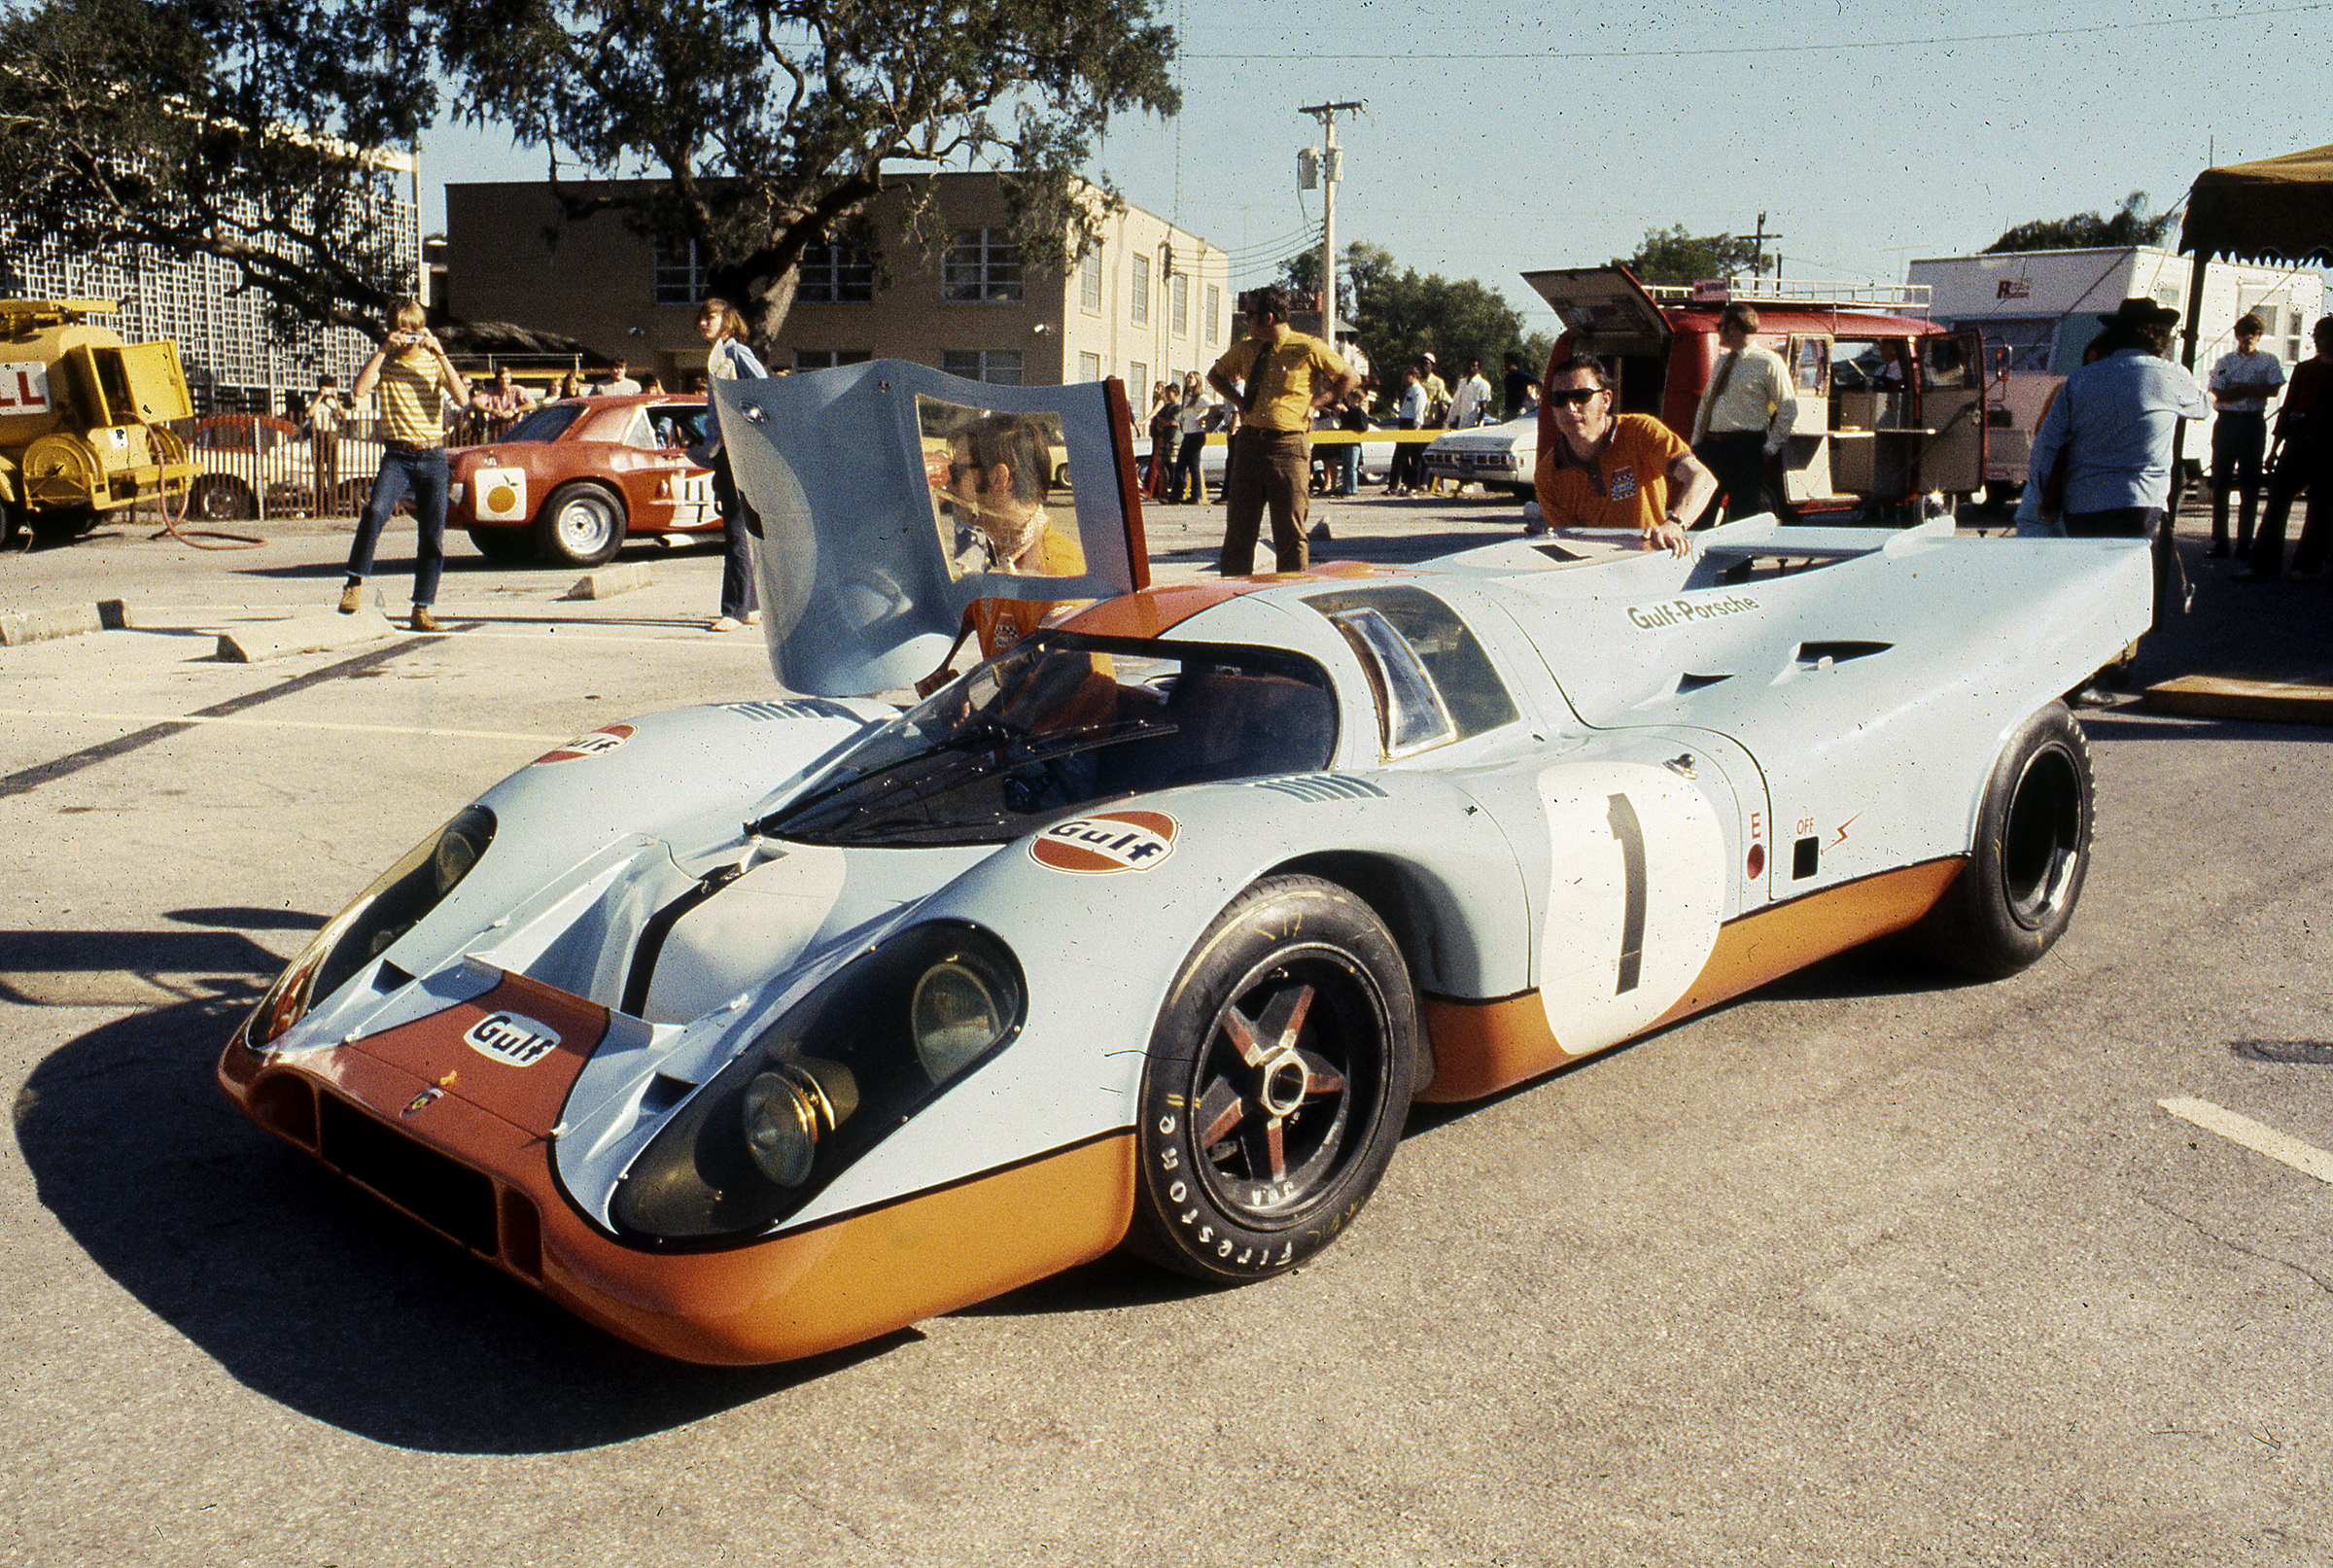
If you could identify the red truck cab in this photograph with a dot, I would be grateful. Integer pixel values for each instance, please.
(1864, 443)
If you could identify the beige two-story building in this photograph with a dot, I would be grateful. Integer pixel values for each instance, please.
(1153, 301)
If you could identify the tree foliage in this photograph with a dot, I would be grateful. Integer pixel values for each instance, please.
(772, 123)
(219, 127)
(2089, 231)
(1677, 256)
(1397, 315)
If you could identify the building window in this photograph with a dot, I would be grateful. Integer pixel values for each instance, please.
(680, 272)
(827, 358)
(1089, 274)
(1142, 290)
(1138, 379)
(836, 275)
(997, 366)
(2293, 334)
(1178, 310)
(1214, 314)
(983, 266)
(1088, 367)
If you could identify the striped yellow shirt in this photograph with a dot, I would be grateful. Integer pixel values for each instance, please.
(411, 412)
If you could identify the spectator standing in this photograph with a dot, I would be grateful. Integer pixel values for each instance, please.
(2112, 424)
(570, 385)
(620, 382)
(1287, 376)
(1438, 393)
(1192, 419)
(1515, 384)
(1409, 414)
(1352, 416)
(415, 379)
(1469, 401)
(1744, 415)
(727, 358)
(2304, 457)
(2242, 383)
(326, 413)
(499, 406)
(1166, 427)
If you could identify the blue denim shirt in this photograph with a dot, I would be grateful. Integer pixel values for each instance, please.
(2117, 415)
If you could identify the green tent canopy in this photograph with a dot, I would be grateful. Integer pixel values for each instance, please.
(2275, 209)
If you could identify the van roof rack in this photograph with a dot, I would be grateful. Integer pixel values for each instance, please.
(1892, 298)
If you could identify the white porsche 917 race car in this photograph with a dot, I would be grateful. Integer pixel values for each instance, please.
(754, 1029)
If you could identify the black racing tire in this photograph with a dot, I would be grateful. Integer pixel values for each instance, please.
(219, 498)
(2016, 895)
(580, 524)
(505, 544)
(1277, 1084)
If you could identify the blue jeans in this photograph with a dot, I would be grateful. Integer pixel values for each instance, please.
(739, 597)
(422, 472)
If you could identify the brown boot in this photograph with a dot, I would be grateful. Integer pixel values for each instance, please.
(424, 621)
(352, 599)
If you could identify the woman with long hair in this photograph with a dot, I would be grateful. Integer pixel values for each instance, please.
(727, 358)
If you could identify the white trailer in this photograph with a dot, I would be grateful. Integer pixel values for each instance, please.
(2040, 309)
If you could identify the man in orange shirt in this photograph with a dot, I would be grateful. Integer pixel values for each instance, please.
(1602, 472)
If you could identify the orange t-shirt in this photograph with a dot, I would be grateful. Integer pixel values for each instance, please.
(1625, 485)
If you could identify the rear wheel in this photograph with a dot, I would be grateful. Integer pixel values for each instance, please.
(219, 498)
(1279, 1076)
(580, 524)
(2016, 895)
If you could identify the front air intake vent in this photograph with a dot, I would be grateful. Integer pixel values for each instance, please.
(1323, 787)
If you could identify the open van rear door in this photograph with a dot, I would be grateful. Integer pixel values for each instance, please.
(1605, 304)
(1951, 413)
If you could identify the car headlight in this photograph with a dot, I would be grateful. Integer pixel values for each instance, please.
(382, 912)
(840, 1072)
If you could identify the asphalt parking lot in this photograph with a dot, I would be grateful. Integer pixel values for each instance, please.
(1869, 1266)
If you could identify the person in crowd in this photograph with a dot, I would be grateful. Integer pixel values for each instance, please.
(1438, 393)
(1278, 377)
(1515, 384)
(1745, 414)
(1198, 412)
(1166, 428)
(1408, 457)
(1603, 470)
(326, 412)
(416, 381)
(498, 406)
(2305, 460)
(2111, 427)
(620, 382)
(650, 383)
(1470, 400)
(2243, 383)
(722, 326)
(570, 385)
(1352, 416)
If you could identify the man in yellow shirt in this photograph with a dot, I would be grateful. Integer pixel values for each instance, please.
(1276, 379)
(415, 377)
(1600, 472)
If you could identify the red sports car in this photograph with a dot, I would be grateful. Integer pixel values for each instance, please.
(571, 479)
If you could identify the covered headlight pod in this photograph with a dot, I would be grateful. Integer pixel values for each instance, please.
(382, 912)
(841, 1070)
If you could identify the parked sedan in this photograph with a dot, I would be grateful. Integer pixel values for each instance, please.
(570, 480)
(1376, 457)
(239, 459)
(1496, 457)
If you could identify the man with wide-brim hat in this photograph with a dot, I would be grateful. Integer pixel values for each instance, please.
(2102, 457)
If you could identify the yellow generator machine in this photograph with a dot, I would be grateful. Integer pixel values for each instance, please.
(81, 418)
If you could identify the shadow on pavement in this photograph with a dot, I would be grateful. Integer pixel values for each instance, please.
(304, 1288)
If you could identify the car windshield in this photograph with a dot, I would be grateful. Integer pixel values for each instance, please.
(1061, 721)
(546, 424)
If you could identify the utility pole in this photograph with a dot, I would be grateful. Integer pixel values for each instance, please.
(1332, 170)
(1757, 251)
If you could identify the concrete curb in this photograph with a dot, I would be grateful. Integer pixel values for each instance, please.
(18, 627)
(314, 632)
(2212, 696)
(608, 582)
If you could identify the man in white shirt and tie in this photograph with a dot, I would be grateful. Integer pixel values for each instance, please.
(1746, 414)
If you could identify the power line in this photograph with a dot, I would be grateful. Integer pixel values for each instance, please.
(2217, 20)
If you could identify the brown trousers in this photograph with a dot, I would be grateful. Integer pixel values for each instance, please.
(1269, 468)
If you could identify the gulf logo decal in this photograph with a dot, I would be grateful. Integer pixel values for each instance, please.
(511, 1037)
(1105, 842)
(599, 743)
(500, 495)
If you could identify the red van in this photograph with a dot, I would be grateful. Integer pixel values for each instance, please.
(1859, 447)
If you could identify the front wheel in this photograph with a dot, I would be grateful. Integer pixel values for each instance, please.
(580, 524)
(1278, 1079)
(216, 497)
(2016, 895)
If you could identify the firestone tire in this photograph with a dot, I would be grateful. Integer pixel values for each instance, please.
(580, 525)
(1278, 1080)
(2017, 894)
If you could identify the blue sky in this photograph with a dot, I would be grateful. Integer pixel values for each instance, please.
(1500, 138)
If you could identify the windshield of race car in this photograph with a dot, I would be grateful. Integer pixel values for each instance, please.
(1058, 723)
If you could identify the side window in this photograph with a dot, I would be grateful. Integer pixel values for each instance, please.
(1434, 683)
(638, 432)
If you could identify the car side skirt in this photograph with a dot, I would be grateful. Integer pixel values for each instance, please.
(1483, 1047)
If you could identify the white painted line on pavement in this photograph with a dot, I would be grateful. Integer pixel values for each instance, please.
(2306, 1157)
(279, 723)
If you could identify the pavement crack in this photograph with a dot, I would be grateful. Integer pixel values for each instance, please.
(2208, 1234)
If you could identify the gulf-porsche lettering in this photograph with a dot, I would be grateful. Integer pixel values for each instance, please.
(1105, 843)
(511, 1037)
(1676, 610)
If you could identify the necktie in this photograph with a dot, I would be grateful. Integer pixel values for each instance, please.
(1717, 388)
(1255, 377)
